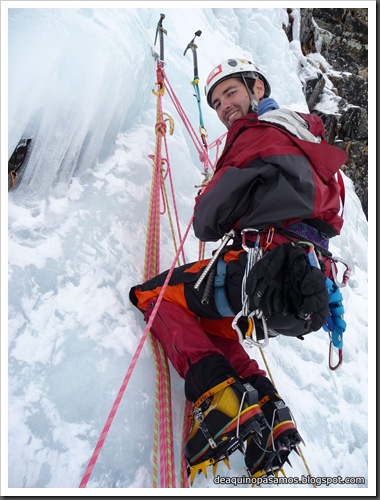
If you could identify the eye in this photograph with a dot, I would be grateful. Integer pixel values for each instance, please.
(230, 92)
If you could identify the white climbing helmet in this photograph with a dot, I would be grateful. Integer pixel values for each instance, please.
(231, 68)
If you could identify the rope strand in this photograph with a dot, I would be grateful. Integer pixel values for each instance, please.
(298, 447)
(128, 375)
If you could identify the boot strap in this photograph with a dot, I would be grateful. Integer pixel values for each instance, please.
(213, 391)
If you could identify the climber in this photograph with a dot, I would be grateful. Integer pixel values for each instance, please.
(276, 175)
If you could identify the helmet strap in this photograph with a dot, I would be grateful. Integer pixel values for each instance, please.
(254, 103)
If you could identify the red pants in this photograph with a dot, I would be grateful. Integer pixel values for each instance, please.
(185, 341)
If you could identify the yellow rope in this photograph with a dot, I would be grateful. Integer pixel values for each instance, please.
(149, 242)
(154, 208)
(168, 423)
(170, 218)
(151, 249)
(156, 413)
(305, 464)
(202, 250)
(152, 255)
(298, 447)
(267, 366)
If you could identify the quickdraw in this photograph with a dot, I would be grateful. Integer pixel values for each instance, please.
(254, 254)
(311, 255)
(334, 270)
(247, 338)
(191, 45)
(160, 77)
(160, 58)
(335, 324)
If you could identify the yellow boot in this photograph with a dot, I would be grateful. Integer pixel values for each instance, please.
(223, 418)
(279, 438)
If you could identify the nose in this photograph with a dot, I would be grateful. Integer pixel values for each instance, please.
(224, 104)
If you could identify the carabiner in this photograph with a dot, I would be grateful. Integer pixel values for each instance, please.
(247, 338)
(243, 237)
(202, 131)
(236, 327)
(311, 255)
(269, 239)
(340, 357)
(346, 274)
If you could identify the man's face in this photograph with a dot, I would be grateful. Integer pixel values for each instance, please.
(231, 101)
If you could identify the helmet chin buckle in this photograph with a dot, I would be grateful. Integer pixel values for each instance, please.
(254, 104)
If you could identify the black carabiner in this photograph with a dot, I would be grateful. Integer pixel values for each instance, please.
(340, 357)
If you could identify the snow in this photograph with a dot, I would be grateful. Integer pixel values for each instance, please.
(80, 80)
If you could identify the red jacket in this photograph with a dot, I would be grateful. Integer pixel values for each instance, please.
(267, 176)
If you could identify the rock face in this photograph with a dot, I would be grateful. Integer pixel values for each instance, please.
(341, 37)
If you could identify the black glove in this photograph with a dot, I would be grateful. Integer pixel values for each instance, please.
(283, 282)
(265, 284)
(306, 286)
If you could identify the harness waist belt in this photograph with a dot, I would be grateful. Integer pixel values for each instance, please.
(309, 233)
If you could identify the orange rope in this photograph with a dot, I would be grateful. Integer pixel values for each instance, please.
(163, 432)
(151, 268)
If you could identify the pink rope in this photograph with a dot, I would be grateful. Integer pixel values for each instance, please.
(167, 472)
(218, 141)
(162, 426)
(103, 435)
(197, 143)
(163, 211)
(156, 424)
(200, 147)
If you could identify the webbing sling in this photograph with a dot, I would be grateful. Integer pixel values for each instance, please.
(220, 296)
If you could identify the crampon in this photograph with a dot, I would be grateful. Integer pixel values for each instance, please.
(223, 419)
(286, 439)
(225, 447)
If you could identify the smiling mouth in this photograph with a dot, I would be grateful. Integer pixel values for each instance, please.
(232, 115)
